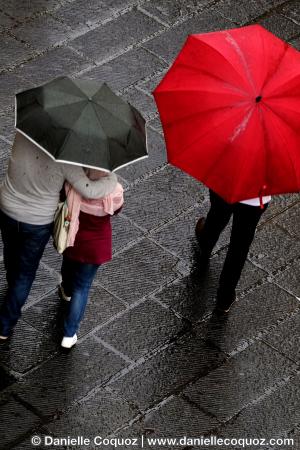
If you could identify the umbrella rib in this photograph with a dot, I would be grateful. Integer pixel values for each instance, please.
(287, 146)
(241, 56)
(184, 150)
(230, 85)
(277, 67)
(189, 116)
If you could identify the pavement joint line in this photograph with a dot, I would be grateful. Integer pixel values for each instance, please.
(128, 246)
(143, 41)
(182, 213)
(291, 19)
(152, 16)
(197, 406)
(142, 415)
(111, 319)
(291, 293)
(269, 12)
(161, 58)
(145, 177)
(97, 284)
(112, 349)
(282, 353)
(2, 138)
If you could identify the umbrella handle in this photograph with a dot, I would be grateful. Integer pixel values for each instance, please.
(261, 193)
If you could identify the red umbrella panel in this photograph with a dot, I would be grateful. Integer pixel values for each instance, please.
(230, 110)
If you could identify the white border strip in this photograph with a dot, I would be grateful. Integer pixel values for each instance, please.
(78, 164)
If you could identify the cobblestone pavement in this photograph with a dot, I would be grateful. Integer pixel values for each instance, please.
(152, 359)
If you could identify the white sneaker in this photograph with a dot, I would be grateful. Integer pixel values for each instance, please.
(4, 337)
(68, 342)
(62, 293)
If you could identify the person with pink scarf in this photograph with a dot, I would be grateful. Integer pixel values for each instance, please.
(89, 245)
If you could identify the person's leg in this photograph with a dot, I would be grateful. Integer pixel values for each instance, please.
(10, 238)
(215, 222)
(245, 220)
(32, 240)
(82, 276)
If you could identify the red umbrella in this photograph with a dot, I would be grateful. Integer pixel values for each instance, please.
(230, 110)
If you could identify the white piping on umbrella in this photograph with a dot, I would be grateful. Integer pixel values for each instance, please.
(78, 164)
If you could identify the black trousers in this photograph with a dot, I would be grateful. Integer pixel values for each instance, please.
(245, 220)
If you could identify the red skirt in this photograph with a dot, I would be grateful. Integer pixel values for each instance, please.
(93, 242)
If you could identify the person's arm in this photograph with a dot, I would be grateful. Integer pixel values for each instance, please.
(87, 188)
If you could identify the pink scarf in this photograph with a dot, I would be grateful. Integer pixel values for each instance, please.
(98, 207)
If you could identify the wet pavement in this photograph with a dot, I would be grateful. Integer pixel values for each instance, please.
(152, 358)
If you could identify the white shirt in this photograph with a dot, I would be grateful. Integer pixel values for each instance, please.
(256, 201)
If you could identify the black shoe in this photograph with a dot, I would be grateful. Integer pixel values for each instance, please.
(223, 305)
(199, 227)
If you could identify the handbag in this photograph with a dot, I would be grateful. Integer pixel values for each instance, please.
(61, 227)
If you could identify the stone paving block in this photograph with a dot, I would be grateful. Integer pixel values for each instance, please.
(26, 444)
(295, 43)
(23, 420)
(79, 13)
(141, 101)
(160, 193)
(141, 329)
(47, 315)
(250, 317)
(194, 296)
(57, 62)
(12, 352)
(45, 282)
(170, 11)
(51, 258)
(175, 417)
(257, 420)
(42, 32)
(170, 42)
(109, 39)
(245, 10)
(155, 123)
(289, 220)
(277, 205)
(240, 380)
(168, 371)
(12, 52)
(157, 158)
(7, 125)
(138, 271)
(67, 377)
(281, 26)
(286, 337)
(123, 232)
(24, 8)
(292, 11)
(150, 85)
(3, 159)
(289, 278)
(10, 84)
(100, 308)
(6, 379)
(6, 22)
(273, 248)
(179, 236)
(98, 416)
(126, 69)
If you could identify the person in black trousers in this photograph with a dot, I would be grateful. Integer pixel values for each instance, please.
(245, 219)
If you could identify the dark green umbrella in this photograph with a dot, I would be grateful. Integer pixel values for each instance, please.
(82, 122)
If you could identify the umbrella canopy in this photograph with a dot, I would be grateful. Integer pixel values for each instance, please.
(230, 110)
(82, 122)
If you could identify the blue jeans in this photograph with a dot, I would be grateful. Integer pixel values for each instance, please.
(24, 245)
(77, 278)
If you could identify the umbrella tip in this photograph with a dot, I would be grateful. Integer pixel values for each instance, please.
(258, 98)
